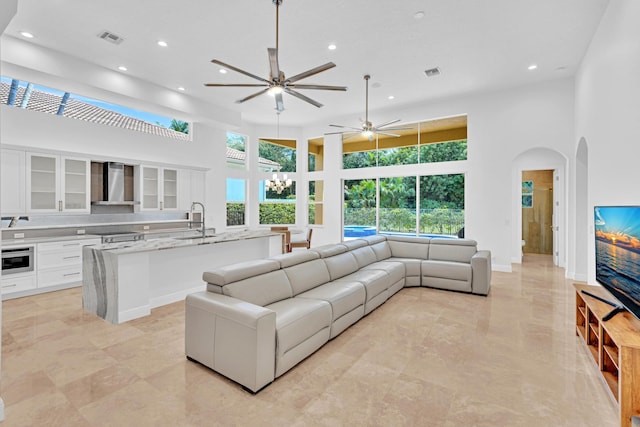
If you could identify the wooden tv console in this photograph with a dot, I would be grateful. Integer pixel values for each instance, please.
(615, 347)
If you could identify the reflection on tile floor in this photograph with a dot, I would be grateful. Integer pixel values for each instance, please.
(424, 358)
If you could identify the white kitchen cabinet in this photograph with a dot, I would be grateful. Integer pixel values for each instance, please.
(12, 283)
(192, 188)
(159, 188)
(13, 182)
(60, 262)
(57, 184)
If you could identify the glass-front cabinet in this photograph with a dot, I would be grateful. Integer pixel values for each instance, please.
(57, 184)
(159, 188)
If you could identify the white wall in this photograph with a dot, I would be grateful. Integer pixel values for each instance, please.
(608, 112)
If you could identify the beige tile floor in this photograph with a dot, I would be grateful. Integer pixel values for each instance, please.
(424, 358)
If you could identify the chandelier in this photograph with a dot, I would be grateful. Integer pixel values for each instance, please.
(277, 184)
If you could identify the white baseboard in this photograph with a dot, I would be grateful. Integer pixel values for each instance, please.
(134, 313)
(175, 296)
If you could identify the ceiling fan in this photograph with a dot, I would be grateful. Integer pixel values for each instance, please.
(277, 83)
(367, 128)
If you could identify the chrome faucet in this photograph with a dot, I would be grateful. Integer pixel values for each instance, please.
(193, 204)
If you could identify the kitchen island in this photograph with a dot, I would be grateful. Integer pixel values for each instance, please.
(124, 281)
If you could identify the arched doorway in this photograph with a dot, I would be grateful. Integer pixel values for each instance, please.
(538, 159)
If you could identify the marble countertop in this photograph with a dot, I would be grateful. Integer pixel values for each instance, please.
(34, 240)
(122, 248)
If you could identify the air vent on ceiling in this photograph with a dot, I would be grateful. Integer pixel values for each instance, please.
(432, 72)
(110, 37)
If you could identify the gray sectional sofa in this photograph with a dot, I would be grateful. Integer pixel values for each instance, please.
(258, 319)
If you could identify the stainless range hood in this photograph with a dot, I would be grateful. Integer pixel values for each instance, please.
(113, 186)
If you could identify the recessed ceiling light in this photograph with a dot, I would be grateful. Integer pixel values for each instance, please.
(332, 47)
(26, 34)
(122, 68)
(162, 43)
(181, 88)
(419, 14)
(391, 97)
(223, 71)
(532, 67)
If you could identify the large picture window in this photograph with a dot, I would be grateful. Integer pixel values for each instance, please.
(30, 96)
(442, 140)
(430, 206)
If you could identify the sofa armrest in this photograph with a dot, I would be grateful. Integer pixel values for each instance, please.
(232, 337)
(481, 272)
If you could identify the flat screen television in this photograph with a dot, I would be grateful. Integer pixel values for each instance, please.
(617, 232)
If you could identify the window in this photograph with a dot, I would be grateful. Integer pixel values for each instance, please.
(441, 140)
(316, 202)
(235, 202)
(430, 205)
(360, 201)
(398, 205)
(277, 208)
(442, 204)
(280, 152)
(236, 151)
(316, 154)
(34, 97)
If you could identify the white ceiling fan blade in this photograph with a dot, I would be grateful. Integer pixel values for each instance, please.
(234, 85)
(387, 133)
(311, 72)
(318, 87)
(238, 70)
(347, 127)
(388, 123)
(240, 101)
(302, 97)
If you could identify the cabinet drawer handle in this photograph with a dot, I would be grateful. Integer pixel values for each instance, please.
(13, 285)
(70, 274)
(71, 244)
(71, 257)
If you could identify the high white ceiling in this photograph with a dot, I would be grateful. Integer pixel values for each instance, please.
(479, 45)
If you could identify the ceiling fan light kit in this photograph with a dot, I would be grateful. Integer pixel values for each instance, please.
(277, 83)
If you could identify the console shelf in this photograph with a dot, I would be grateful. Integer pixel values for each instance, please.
(614, 346)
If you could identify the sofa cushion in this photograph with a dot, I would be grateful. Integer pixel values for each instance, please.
(395, 269)
(242, 270)
(412, 267)
(447, 270)
(364, 256)
(343, 296)
(459, 250)
(307, 275)
(355, 244)
(341, 265)
(376, 238)
(326, 251)
(382, 250)
(293, 258)
(263, 289)
(299, 320)
(375, 282)
(409, 247)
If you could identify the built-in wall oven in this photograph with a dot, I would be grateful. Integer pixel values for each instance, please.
(17, 259)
